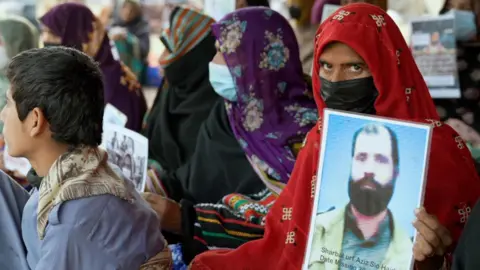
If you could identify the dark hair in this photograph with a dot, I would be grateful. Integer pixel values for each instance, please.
(373, 129)
(67, 86)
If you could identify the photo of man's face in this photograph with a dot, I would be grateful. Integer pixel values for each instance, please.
(373, 170)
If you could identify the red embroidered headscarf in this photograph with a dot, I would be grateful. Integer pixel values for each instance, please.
(453, 186)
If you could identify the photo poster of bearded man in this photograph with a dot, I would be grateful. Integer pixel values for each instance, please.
(371, 177)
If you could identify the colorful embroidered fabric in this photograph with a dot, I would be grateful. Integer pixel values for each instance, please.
(452, 186)
(234, 221)
(274, 109)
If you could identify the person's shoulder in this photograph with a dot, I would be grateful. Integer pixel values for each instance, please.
(108, 221)
(87, 210)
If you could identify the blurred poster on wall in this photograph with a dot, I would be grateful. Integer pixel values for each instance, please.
(434, 48)
(217, 9)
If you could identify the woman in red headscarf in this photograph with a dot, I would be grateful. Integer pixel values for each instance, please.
(399, 92)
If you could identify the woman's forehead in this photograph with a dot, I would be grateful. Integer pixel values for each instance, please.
(340, 53)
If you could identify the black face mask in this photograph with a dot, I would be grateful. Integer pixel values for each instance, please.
(357, 95)
(369, 202)
(295, 12)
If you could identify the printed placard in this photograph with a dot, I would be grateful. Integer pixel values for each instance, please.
(371, 178)
(435, 52)
(129, 151)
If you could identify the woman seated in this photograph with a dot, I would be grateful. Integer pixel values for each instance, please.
(74, 25)
(186, 97)
(247, 147)
(360, 51)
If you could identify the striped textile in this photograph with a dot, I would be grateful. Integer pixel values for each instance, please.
(187, 28)
(234, 221)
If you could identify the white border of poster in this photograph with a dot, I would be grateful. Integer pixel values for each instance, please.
(425, 129)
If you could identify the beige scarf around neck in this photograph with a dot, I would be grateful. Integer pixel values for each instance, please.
(84, 172)
(79, 173)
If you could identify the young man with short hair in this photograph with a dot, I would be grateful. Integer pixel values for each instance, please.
(81, 215)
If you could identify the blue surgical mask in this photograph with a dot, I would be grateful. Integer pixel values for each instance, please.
(465, 24)
(222, 81)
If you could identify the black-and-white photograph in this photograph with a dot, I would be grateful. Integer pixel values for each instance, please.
(129, 151)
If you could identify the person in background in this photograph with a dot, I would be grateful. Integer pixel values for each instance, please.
(365, 67)
(251, 3)
(81, 213)
(185, 101)
(131, 34)
(247, 147)
(466, 108)
(317, 10)
(300, 11)
(17, 34)
(74, 25)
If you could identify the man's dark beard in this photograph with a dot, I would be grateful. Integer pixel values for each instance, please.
(367, 201)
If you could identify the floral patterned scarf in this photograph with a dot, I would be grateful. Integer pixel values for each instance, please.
(275, 107)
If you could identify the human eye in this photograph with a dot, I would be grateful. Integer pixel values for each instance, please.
(361, 157)
(326, 66)
(382, 159)
(356, 68)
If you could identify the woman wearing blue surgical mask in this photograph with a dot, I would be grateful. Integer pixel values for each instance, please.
(467, 107)
(247, 147)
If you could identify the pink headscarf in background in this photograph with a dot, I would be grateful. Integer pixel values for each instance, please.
(317, 10)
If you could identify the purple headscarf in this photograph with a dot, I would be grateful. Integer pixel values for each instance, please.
(275, 108)
(317, 10)
(74, 24)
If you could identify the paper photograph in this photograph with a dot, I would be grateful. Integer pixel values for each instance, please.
(434, 49)
(370, 179)
(129, 151)
(112, 115)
